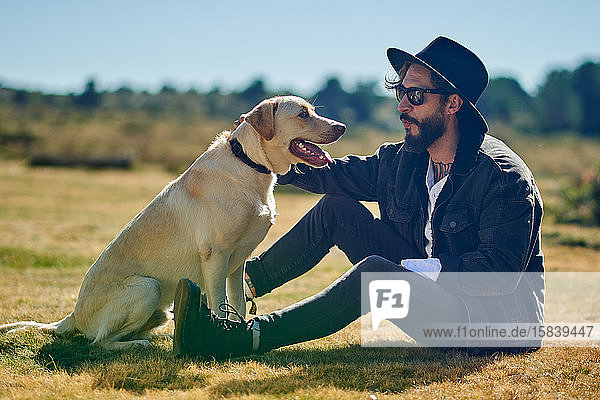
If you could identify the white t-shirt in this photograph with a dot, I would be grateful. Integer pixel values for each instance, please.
(434, 192)
(428, 267)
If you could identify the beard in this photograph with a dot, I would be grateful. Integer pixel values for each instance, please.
(430, 130)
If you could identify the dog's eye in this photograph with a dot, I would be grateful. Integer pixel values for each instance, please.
(303, 114)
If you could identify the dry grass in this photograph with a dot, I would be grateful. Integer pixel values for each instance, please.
(55, 221)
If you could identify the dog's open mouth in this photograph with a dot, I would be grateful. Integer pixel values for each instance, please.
(310, 153)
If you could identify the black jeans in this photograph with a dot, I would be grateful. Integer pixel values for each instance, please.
(370, 244)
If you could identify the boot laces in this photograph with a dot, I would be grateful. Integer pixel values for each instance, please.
(226, 323)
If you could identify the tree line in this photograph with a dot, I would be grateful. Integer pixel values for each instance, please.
(567, 100)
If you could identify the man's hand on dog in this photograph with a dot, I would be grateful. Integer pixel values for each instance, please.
(238, 121)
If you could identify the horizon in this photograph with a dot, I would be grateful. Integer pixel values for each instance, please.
(227, 91)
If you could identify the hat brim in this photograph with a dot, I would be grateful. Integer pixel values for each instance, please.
(399, 59)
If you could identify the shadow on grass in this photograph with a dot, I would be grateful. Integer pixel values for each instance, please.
(356, 368)
(70, 353)
(134, 370)
(287, 370)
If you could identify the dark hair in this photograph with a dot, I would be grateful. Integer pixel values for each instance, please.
(390, 84)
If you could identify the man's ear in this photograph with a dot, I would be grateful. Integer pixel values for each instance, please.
(261, 118)
(454, 103)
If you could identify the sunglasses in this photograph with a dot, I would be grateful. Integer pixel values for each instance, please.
(415, 94)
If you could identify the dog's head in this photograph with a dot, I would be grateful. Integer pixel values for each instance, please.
(291, 131)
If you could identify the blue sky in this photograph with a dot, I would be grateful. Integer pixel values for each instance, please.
(57, 45)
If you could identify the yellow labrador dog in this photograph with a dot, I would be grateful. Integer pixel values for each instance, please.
(202, 226)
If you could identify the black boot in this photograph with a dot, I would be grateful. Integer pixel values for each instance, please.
(199, 332)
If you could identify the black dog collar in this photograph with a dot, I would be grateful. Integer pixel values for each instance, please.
(238, 151)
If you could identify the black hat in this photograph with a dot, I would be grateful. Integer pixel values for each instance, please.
(454, 63)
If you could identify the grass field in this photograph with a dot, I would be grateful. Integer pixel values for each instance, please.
(54, 222)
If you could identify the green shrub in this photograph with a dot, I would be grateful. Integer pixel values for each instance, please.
(581, 201)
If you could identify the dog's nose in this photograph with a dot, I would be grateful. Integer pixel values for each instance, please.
(341, 128)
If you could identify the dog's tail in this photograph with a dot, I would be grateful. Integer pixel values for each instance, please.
(58, 327)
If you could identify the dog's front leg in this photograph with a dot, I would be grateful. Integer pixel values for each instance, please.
(214, 275)
(235, 290)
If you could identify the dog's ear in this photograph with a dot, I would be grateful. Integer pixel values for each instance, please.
(262, 118)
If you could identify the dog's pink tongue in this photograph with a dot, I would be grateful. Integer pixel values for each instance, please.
(328, 157)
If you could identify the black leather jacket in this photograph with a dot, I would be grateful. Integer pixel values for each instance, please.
(486, 219)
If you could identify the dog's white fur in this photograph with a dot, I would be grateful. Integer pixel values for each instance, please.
(201, 226)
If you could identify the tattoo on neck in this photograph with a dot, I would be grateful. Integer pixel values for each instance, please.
(440, 170)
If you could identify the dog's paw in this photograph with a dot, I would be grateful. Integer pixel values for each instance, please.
(140, 343)
(128, 345)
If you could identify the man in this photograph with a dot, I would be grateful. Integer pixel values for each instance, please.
(453, 201)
